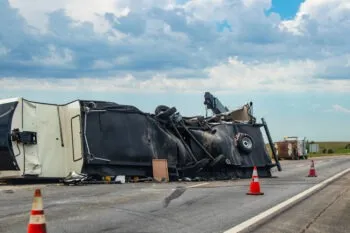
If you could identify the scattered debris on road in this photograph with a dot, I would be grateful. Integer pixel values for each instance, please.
(8, 191)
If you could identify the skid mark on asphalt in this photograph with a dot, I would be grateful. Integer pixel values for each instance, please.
(195, 200)
(17, 214)
(323, 211)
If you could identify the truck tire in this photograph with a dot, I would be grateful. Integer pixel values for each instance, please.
(245, 143)
(160, 108)
(164, 112)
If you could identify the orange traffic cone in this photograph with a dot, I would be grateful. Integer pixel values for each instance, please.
(37, 223)
(254, 184)
(312, 171)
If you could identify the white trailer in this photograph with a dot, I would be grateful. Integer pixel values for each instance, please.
(23, 126)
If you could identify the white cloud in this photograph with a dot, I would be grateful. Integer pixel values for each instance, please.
(122, 60)
(55, 57)
(268, 59)
(156, 27)
(237, 12)
(35, 11)
(3, 50)
(339, 108)
(231, 76)
(320, 17)
(101, 64)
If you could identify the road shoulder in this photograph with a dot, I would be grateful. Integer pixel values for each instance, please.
(326, 211)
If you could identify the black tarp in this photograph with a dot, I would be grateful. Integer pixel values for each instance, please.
(222, 143)
(131, 138)
(7, 158)
(122, 140)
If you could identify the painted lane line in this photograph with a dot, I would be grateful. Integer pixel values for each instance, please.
(283, 205)
(196, 185)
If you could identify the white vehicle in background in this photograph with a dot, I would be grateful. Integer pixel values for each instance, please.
(292, 148)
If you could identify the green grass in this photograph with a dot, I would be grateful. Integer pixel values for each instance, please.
(332, 145)
(321, 155)
(337, 147)
(342, 151)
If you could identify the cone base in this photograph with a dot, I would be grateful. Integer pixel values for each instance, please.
(36, 228)
(260, 193)
(312, 173)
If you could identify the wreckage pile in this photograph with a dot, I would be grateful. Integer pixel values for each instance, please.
(223, 146)
(113, 139)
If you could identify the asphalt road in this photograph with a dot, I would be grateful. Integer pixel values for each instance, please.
(208, 207)
(327, 211)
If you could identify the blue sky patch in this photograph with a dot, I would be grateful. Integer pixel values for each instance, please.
(223, 25)
(287, 9)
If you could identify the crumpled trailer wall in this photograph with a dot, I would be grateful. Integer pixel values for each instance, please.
(43, 139)
(121, 139)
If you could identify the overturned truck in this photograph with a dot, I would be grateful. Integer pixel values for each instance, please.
(100, 138)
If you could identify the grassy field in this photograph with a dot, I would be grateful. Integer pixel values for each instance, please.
(333, 145)
(336, 147)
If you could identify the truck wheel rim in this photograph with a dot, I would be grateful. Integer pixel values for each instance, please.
(247, 143)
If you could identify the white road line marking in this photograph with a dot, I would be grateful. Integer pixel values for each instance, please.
(293, 200)
(196, 185)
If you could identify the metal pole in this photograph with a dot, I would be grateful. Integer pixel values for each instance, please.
(196, 141)
(271, 145)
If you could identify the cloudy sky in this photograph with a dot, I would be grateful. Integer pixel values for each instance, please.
(291, 58)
